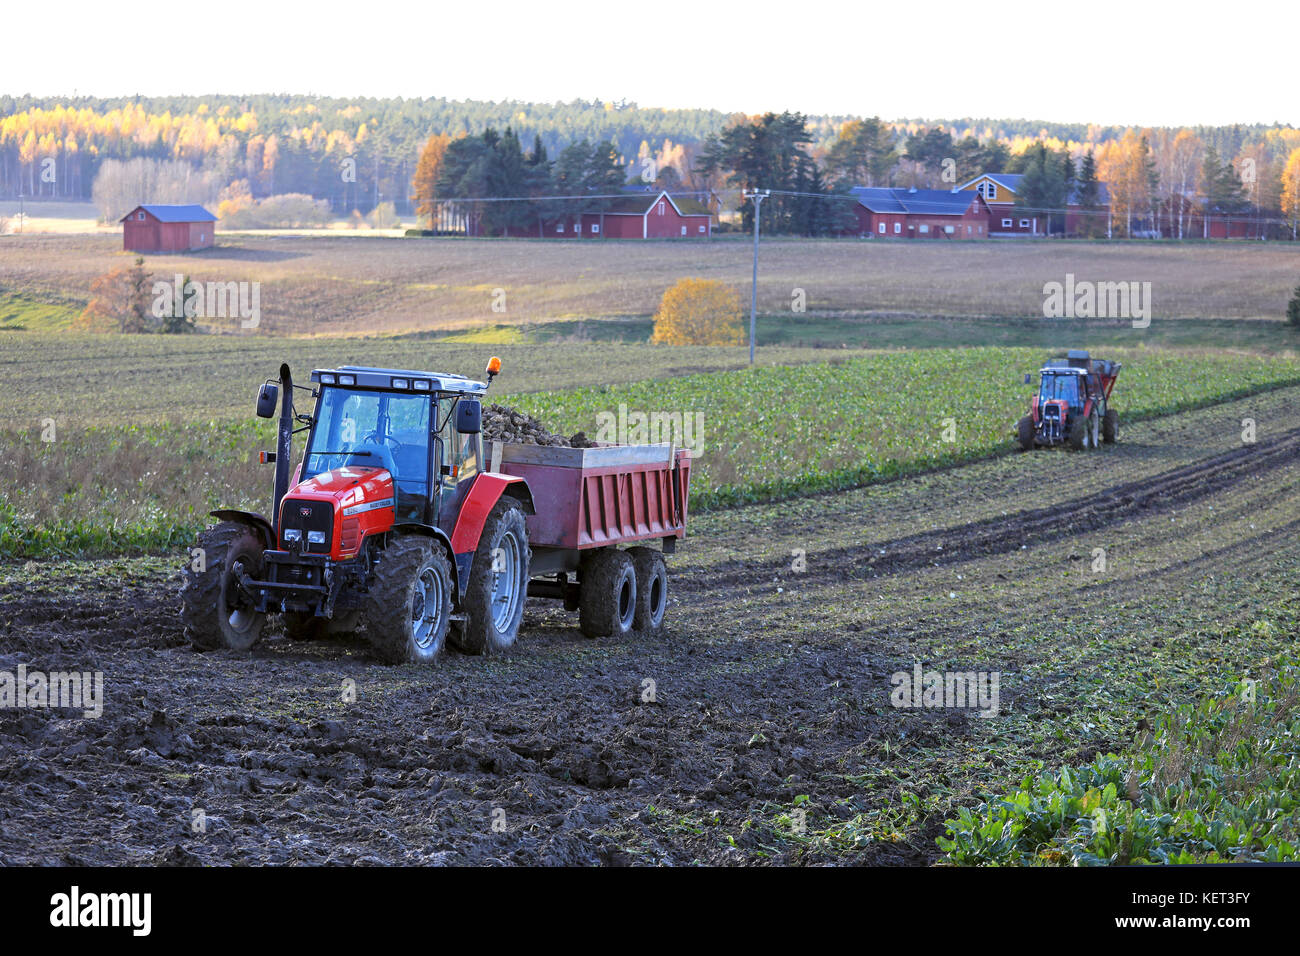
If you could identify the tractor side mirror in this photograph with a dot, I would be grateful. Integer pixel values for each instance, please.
(267, 396)
(469, 416)
(1029, 379)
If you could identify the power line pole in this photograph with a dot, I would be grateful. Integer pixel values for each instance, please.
(758, 195)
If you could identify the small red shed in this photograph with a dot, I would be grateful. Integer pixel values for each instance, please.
(154, 227)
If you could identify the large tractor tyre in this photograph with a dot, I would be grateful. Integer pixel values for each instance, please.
(306, 626)
(498, 583)
(408, 606)
(1110, 427)
(215, 612)
(1079, 434)
(607, 604)
(651, 590)
(1026, 430)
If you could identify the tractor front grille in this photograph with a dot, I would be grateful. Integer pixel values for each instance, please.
(311, 520)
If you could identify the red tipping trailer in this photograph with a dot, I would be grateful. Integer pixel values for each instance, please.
(586, 502)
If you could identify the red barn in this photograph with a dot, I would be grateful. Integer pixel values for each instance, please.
(649, 215)
(160, 228)
(920, 213)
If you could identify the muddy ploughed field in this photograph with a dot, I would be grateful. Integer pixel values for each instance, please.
(757, 729)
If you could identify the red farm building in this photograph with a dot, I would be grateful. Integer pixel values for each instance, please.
(639, 215)
(885, 213)
(160, 228)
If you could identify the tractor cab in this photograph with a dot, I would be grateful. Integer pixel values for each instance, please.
(404, 439)
(1062, 385)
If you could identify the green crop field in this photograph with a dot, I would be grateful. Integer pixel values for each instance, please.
(764, 433)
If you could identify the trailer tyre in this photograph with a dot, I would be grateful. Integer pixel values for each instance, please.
(497, 588)
(214, 612)
(651, 590)
(1026, 429)
(408, 606)
(608, 601)
(1110, 427)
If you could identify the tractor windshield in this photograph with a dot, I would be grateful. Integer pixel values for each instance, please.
(1061, 387)
(378, 429)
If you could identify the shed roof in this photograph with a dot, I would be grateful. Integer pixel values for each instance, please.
(173, 213)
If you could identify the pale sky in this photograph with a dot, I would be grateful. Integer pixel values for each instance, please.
(1125, 63)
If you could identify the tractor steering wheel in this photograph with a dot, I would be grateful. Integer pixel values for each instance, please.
(376, 438)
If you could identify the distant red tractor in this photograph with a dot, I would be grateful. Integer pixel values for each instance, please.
(397, 524)
(1072, 404)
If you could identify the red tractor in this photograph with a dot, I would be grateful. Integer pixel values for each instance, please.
(1072, 404)
(395, 524)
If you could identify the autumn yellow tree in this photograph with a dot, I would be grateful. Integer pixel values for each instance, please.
(1291, 189)
(424, 183)
(699, 312)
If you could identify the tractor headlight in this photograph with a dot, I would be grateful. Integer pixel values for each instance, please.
(347, 380)
(401, 383)
(327, 379)
(315, 537)
(292, 534)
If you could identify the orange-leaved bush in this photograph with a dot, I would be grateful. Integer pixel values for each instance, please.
(699, 312)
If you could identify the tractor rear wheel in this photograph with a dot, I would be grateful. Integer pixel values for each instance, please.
(651, 590)
(1026, 429)
(1110, 427)
(215, 612)
(1079, 434)
(498, 583)
(408, 606)
(607, 606)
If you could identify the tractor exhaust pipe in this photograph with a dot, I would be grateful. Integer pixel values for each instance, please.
(283, 443)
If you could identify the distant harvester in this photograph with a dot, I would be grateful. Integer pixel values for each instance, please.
(156, 227)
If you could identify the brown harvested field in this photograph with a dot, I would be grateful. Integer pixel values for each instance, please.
(365, 285)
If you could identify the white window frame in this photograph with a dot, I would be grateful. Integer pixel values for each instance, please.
(898, 228)
(559, 227)
(595, 229)
(1008, 223)
(1024, 223)
(950, 230)
(925, 227)
(660, 210)
(140, 216)
(882, 228)
(703, 228)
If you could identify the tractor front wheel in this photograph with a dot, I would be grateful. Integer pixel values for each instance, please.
(1026, 429)
(498, 583)
(1110, 427)
(408, 606)
(214, 610)
(1079, 435)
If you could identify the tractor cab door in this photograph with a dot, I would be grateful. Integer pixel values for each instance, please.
(458, 465)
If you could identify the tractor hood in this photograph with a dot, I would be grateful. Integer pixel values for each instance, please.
(349, 487)
(332, 512)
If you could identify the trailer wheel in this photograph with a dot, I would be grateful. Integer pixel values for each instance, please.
(1110, 427)
(651, 590)
(607, 605)
(1078, 434)
(498, 583)
(215, 613)
(408, 606)
(1026, 429)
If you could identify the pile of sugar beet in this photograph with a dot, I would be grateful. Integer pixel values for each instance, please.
(506, 424)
